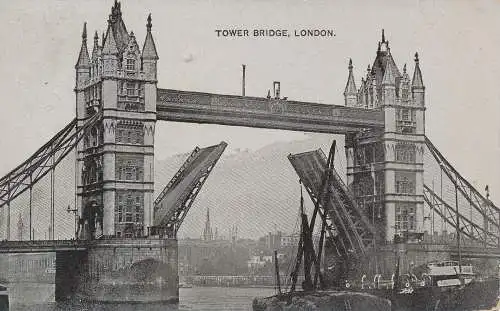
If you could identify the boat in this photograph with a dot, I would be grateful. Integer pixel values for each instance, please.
(185, 285)
(443, 287)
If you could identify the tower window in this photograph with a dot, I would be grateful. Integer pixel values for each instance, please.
(405, 182)
(405, 217)
(405, 115)
(130, 89)
(130, 64)
(120, 211)
(128, 217)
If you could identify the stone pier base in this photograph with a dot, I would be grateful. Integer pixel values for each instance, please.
(129, 271)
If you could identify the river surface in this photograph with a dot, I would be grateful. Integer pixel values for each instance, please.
(190, 299)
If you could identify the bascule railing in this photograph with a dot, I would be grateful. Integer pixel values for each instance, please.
(184, 187)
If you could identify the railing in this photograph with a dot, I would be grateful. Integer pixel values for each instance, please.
(176, 176)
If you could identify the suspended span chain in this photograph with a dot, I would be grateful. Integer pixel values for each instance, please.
(173, 203)
(468, 228)
(484, 206)
(43, 160)
(350, 230)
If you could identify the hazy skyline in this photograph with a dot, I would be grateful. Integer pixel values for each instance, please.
(458, 43)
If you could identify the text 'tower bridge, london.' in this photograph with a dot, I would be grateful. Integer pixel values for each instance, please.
(125, 246)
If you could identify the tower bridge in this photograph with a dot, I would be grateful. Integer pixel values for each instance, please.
(398, 185)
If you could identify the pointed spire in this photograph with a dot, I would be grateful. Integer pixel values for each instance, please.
(368, 73)
(84, 32)
(417, 81)
(383, 36)
(149, 48)
(109, 46)
(116, 9)
(149, 25)
(96, 46)
(83, 57)
(388, 78)
(405, 74)
(350, 87)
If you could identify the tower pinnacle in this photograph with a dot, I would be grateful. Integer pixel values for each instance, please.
(417, 81)
(350, 87)
(149, 48)
(388, 78)
(149, 25)
(83, 57)
(84, 32)
(350, 92)
(109, 43)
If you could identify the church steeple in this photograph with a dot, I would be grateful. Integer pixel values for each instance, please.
(207, 232)
(350, 93)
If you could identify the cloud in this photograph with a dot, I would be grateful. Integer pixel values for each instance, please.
(188, 57)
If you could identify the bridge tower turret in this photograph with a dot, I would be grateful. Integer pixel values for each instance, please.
(385, 167)
(83, 63)
(115, 162)
(350, 93)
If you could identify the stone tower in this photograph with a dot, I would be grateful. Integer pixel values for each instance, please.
(385, 167)
(115, 159)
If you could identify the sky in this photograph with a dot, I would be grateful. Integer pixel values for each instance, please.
(458, 43)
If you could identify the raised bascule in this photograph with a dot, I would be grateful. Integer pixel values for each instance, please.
(399, 187)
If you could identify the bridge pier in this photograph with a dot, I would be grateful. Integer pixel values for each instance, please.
(129, 270)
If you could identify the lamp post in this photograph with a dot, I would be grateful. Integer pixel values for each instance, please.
(75, 211)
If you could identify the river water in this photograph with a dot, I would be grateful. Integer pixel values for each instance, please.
(190, 299)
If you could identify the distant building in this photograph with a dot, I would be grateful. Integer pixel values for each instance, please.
(193, 252)
(290, 240)
(273, 240)
(207, 232)
(256, 262)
